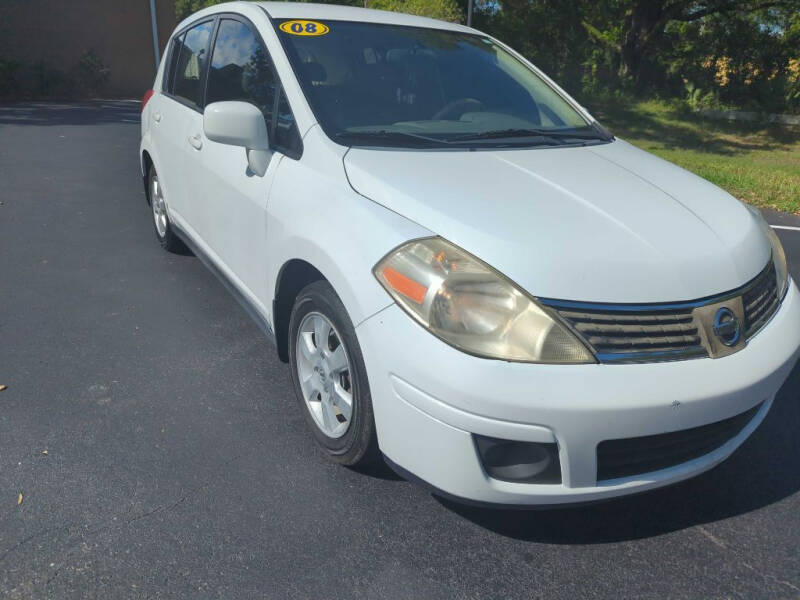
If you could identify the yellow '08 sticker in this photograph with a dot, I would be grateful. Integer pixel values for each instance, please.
(303, 27)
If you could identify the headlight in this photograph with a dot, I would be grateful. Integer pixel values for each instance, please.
(471, 306)
(778, 254)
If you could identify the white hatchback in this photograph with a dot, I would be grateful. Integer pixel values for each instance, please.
(467, 274)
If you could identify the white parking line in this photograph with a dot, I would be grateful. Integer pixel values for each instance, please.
(785, 227)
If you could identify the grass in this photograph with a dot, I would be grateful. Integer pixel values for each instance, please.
(756, 163)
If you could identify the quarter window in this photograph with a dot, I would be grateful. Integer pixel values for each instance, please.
(191, 62)
(286, 134)
(169, 76)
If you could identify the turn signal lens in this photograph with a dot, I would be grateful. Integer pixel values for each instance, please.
(401, 284)
(471, 306)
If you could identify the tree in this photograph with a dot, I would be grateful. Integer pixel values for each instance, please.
(548, 32)
(446, 10)
(743, 53)
(183, 8)
(645, 23)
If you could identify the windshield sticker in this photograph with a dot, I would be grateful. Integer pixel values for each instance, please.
(303, 27)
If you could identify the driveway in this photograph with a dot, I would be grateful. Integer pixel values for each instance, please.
(155, 439)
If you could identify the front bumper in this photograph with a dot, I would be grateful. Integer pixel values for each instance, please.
(429, 399)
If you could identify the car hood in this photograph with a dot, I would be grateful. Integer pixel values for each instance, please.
(605, 223)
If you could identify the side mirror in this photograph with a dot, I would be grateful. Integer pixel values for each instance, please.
(239, 124)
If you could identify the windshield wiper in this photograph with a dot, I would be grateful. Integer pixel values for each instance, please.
(386, 135)
(524, 133)
(406, 137)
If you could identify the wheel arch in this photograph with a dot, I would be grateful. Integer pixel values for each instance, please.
(146, 163)
(293, 276)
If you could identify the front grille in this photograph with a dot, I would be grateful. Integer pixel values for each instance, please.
(636, 456)
(760, 299)
(623, 333)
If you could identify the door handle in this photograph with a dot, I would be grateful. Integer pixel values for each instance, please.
(157, 117)
(196, 141)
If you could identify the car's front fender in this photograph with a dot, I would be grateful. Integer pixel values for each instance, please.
(315, 216)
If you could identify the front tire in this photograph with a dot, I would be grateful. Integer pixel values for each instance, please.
(164, 230)
(329, 377)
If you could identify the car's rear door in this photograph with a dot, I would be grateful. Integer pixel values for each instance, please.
(179, 107)
(166, 125)
(233, 199)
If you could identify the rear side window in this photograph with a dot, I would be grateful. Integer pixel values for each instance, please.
(190, 63)
(241, 69)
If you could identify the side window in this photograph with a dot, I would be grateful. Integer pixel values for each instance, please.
(191, 63)
(169, 73)
(241, 70)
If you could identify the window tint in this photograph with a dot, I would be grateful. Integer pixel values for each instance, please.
(169, 74)
(241, 70)
(191, 63)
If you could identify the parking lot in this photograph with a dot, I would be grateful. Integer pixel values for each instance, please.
(159, 451)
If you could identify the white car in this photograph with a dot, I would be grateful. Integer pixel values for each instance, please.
(467, 274)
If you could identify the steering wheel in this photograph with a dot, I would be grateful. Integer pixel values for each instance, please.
(453, 110)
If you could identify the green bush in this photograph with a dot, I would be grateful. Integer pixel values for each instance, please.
(9, 77)
(41, 80)
(91, 73)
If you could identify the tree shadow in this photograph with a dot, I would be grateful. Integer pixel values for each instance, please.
(676, 129)
(90, 112)
(765, 470)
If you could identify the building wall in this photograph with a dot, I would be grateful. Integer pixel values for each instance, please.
(58, 32)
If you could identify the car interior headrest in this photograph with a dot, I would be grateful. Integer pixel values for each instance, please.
(315, 72)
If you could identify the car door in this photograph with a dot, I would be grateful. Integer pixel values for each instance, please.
(179, 110)
(165, 116)
(232, 199)
(167, 122)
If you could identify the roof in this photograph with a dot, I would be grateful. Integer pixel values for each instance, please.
(332, 12)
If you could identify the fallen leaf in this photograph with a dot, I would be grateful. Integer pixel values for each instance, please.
(19, 499)
(2, 387)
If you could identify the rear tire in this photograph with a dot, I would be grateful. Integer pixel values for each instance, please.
(158, 205)
(327, 371)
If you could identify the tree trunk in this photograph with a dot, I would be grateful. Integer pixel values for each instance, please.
(645, 20)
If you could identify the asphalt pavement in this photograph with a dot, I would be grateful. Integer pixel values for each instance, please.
(159, 451)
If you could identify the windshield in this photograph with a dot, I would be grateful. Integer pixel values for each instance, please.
(398, 86)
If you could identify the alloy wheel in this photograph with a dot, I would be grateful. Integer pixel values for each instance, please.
(323, 370)
(159, 206)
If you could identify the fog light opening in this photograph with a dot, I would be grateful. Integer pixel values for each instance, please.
(520, 462)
